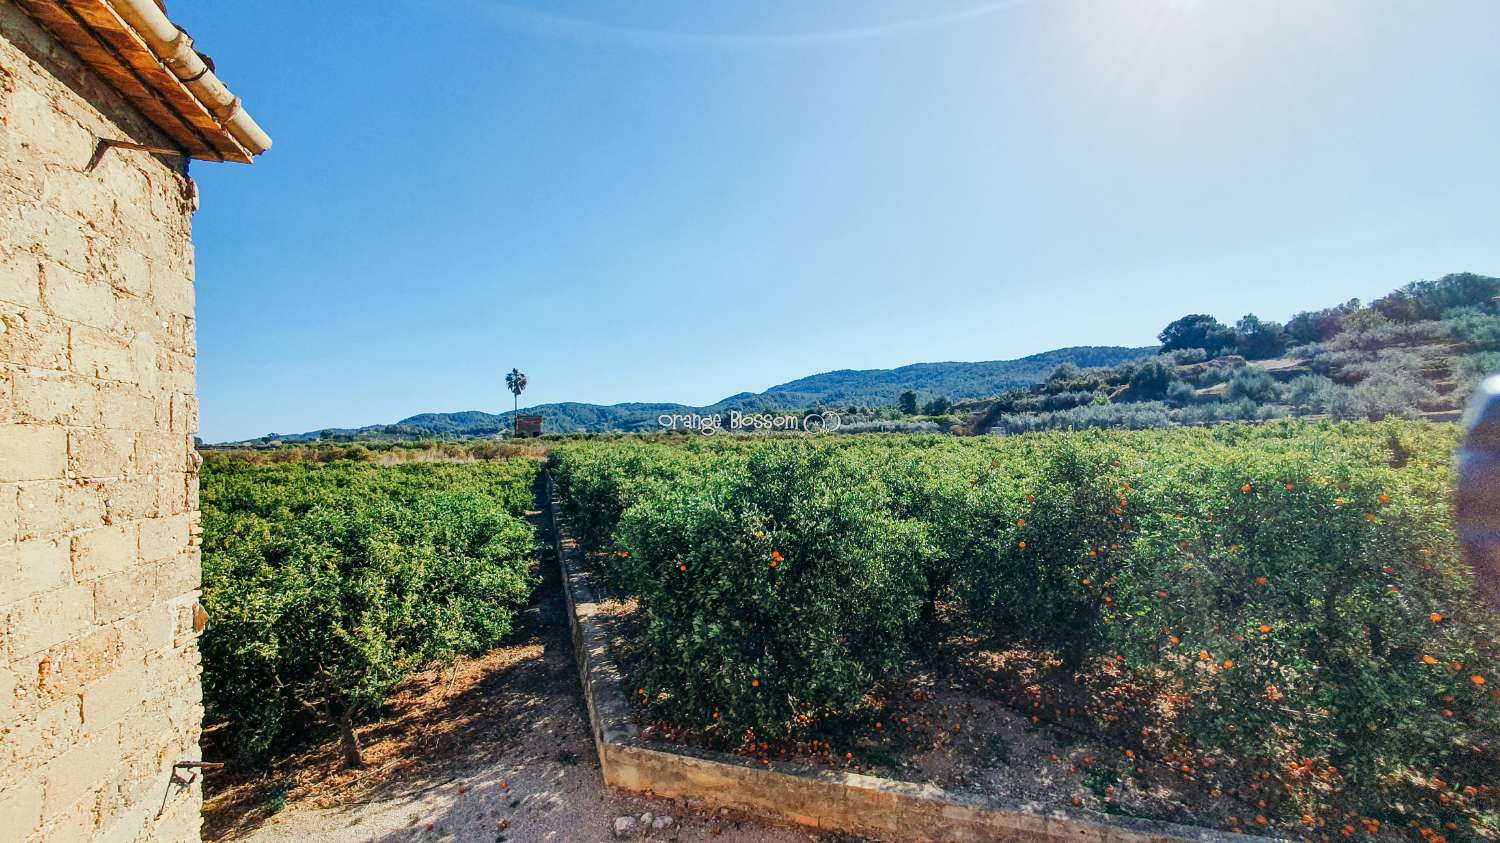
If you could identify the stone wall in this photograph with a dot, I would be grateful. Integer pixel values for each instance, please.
(99, 564)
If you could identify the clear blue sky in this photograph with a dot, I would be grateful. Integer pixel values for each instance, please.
(679, 201)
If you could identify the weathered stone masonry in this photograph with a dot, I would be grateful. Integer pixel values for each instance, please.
(99, 564)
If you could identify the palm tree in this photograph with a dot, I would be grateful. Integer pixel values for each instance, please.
(516, 383)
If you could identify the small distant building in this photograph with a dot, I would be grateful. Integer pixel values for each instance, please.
(102, 104)
(528, 425)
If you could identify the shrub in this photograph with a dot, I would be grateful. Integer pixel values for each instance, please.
(1283, 599)
(1258, 339)
(1473, 328)
(771, 590)
(328, 585)
(1423, 300)
(1150, 380)
(1393, 362)
(1227, 411)
(1305, 351)
(1068, 379)
(1220, 371)
(1319, 325)
(1181, 394)
(1382, 395)
(1471, 369)
(1310, 577)
(890, 427)
(598, 483)
(1134, 416)
(1370, 331)
(1251, 383)
(1031, 532)
(1064, 372)
(1198, 330)
(1310, 393)
(937, 406)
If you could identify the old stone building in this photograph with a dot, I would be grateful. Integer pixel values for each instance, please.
(102, 103)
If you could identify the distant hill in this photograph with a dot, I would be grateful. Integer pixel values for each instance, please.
(957, 381)
(837, 390)
(1417, 352)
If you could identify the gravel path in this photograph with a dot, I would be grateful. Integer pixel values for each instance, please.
(504, 754)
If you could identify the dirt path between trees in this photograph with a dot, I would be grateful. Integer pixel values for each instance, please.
(495, 749)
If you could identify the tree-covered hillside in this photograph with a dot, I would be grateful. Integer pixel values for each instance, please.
(839, 389)
(1419, 351)
(879, 387)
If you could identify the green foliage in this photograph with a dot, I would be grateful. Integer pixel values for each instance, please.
(1258, 339)
(908, 403)
(1310, 393)
(1020, 401)
(1292, 590)
(1471, 369)
(1305, 567)
(875, 426)
(1242, 409)
(1063, 373)
(598, 482)
(771, 589)
(1249, 383)
(936, 407)
(1198, 330)
(1428, 300)
(1180, 394)
(1394, 358)
(1132, 416)
(327, 585)
(1029, 524)
(515, 381)
(1319, 325)
(1473, 328)
(1365, 322)
(1382, 395)
(419, 450)
(1151, 378)
(1070, 379)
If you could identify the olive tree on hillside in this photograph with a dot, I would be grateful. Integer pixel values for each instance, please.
(1198, 330)
(1319, 325)
(1150, 380)
(908, 403)
(1258, 339)
(937, 406)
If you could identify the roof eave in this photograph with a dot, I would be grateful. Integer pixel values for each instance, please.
(144, 56)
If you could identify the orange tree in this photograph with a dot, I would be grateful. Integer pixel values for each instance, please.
(1040, 534)
(773, 590)
(1292, 589)
(327, 585)
(1300, 587)
(1289, 593)
(598, 480)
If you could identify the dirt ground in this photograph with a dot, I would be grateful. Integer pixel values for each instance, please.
(984, 722)
(497, 749)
